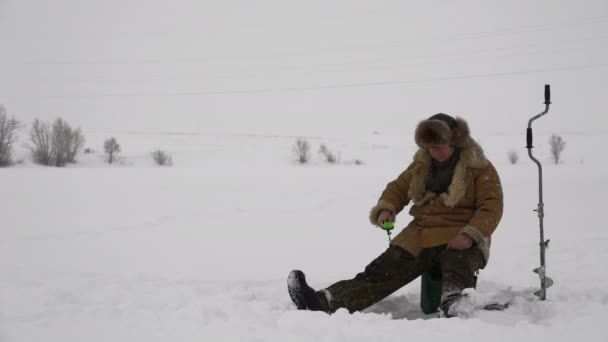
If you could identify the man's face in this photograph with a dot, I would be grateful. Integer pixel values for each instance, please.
(441, 153)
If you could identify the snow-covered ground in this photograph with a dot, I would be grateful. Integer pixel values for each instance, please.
(201, 251)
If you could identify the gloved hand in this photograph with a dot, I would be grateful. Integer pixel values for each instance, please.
(385, 216)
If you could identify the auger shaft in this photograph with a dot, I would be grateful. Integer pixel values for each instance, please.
(545, 281)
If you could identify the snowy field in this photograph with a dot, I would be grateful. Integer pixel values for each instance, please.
(201, 251)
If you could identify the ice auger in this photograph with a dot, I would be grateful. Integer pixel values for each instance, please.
(545, 282)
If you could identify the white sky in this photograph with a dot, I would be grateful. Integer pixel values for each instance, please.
(302, 67)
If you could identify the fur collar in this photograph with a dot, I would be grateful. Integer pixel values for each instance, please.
(471, 157)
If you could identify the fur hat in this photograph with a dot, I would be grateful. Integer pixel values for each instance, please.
(442, 129)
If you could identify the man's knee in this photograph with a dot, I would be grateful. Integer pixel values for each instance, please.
(467, 260)
(391, 262)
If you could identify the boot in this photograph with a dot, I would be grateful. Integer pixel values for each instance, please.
(447, 303)
(304, 296)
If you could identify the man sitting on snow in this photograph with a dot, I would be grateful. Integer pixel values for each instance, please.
(458, 203)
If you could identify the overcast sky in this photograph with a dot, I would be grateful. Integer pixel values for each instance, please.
(302, 67)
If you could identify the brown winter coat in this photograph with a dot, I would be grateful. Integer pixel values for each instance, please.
(473, 203)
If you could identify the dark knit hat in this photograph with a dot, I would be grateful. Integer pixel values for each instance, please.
(441, 129)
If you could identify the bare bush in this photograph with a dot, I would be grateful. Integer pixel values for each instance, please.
(55, 145)
(40, 140)
(162, 158)
(513, 156)
(67, 142)
(302, 150)
(329, 156)
(8, 136)
(111, 149)
(557, 146)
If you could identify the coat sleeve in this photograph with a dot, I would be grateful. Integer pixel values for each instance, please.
(488, 205)
(395, 196)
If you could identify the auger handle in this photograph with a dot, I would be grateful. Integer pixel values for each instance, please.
(529, 130)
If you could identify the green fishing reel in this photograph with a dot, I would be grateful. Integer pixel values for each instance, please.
(388, 226)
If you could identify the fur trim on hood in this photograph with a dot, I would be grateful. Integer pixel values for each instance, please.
(438, 132)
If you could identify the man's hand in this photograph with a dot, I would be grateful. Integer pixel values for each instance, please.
(385, 216)
(460, 242)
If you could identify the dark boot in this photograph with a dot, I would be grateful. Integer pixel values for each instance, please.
(447, 303)
(304, 296)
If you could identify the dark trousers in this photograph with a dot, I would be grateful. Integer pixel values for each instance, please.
(396, 267)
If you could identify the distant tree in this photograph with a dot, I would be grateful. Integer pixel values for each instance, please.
(302, 150)
(513, 156)
(8, 136)
(111, 149)
(76, 145)
(557, 146)
(162, 158)
(67, 141)
(55, 145)
(329, 156)
(40, 139)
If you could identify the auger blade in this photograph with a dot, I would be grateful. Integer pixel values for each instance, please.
(544, 279)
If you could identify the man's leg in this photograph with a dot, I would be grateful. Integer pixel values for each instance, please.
(386, 274)
(458, 269)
